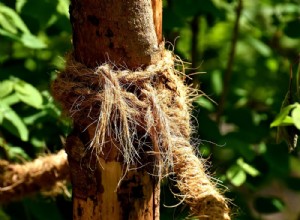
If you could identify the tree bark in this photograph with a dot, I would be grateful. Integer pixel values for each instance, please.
(129, 34)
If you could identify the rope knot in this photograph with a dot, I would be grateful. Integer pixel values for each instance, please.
(133, 107)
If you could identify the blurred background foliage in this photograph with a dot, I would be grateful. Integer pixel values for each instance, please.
(257, 169)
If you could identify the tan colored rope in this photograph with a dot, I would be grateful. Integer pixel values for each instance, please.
(47, 174)
(154, 100)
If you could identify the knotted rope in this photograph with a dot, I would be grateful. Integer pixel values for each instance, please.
(154, 100)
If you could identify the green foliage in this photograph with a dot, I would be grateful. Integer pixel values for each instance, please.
(34, 37)
(269, 204)
(244, 150)
(13, 27)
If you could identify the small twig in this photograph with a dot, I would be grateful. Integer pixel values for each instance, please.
(228, 72)
(195, 33)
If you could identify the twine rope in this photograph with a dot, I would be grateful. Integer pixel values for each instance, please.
(154, 100)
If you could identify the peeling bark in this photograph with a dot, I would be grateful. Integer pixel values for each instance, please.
(127, 33)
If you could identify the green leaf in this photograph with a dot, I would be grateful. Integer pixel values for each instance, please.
(236, 175)
(11, 99)
(38, 143)
(259, 46)
(9, 35)
(32, 41)
(32, 118)
(17, 152)
(1, 115)
(287, 121)
(283, 118)
(63, 7)
(6, 87)
(216, 80)
(205, 103)
(296, 116)
(6, 25)
(20, 4)
(247, 167)
(28, 94)
(13, 18)
(16, 126)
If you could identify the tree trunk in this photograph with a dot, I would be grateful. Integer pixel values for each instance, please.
(128, 34)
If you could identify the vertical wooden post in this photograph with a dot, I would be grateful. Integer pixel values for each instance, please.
(129, 34)
(125, 32)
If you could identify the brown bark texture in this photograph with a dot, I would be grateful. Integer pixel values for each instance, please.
(128, 34)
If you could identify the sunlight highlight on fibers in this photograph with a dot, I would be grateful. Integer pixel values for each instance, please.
(130, 105)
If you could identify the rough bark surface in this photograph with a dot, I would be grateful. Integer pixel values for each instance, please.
(127, 33)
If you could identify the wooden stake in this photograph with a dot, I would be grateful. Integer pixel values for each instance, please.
(129, 34)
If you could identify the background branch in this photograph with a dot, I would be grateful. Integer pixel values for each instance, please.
(228, 72)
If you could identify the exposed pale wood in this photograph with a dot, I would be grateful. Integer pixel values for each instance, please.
(157, 18)
(128, 33)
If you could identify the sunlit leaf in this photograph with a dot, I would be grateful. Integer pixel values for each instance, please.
(1, 115)
(38, 143)
(28, 94)
(15, 125)
(6, 87)
(247, 167)
(216, 80)
(63, 7)
(258, 45)
(296, 116)
(32, 118)
(6, 25)
(32, 41)
(236, 175)
(20, 4)
(283, 118)
(205, 103)
(13, 18)
(9, 35)
(17, 152)
(10, 99)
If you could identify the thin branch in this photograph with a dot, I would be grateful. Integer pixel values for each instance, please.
(228, 72)
(195, 33)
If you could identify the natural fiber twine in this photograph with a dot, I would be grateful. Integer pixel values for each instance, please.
(47, 174)
(154, 100)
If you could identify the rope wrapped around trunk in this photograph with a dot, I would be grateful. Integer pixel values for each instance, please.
(122, 103)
